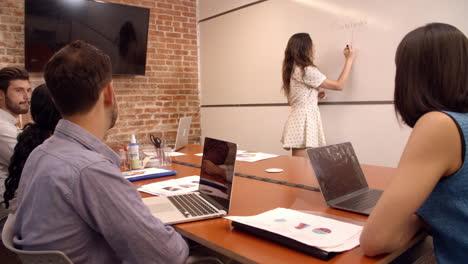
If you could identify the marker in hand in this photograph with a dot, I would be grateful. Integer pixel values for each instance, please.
(348, 51)
(348, 48)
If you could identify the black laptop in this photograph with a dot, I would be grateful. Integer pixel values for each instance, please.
(341, 179)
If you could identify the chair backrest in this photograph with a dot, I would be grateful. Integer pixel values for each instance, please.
(27, 256)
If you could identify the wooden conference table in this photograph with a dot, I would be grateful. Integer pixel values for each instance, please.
(252, 196)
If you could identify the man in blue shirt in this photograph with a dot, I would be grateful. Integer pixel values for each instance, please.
(72, 196)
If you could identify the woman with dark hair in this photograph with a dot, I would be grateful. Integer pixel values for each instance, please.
(430, 188)
(45, 117)
(129, 60)
(301, 83)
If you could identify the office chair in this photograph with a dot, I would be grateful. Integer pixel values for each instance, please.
(203, 260)
(202, 255)
(27, 256)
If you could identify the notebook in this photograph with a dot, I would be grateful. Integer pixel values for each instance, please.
(182, 133)
(342, 182)
(143, 174)
(214, 192)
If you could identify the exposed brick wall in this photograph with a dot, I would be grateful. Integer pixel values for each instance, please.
(147, 104)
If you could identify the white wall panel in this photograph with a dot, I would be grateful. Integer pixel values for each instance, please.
(372, 129)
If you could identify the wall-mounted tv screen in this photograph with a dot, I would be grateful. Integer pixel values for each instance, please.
(121, 31)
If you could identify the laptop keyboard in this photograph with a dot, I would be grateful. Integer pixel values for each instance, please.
(363, 201)
(191, 204)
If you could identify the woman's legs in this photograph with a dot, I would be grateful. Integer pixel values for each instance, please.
(299, 152)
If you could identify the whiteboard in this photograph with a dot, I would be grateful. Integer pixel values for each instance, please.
(241, 52)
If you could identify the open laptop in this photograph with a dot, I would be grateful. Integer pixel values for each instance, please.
(214, 193)
(182, 133)
(341, 179)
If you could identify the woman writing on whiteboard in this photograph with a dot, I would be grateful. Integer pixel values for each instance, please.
(301, 83)
(430, 186)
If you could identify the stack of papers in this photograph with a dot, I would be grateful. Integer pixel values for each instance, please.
(172, 187)
(316, 231)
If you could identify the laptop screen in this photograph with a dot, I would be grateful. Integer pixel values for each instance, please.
(183, 132)
(217, 170)
(337, 170)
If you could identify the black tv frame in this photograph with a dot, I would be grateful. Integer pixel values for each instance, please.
(119, 30)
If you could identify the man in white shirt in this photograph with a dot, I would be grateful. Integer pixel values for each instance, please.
(15, 93)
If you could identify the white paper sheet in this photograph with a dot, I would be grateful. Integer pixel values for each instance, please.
(254, 156)
(321, 232)
(175, 154)
(172, 187)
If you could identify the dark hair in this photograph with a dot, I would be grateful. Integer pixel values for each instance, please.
(76, 75)
(298, 51)
(45, 116)
(431, 72)
(127, 34)
(8, 74)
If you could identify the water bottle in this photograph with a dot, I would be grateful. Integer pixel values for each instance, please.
(134, 154)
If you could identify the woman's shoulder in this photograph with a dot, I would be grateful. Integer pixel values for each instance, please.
(436, 118)
(436, 125)
(312, 70)
(311, 67)
(439, 138)
(307, 69)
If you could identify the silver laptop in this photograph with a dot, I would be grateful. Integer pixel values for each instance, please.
(182, 133)
(214, 193)
(341, 179)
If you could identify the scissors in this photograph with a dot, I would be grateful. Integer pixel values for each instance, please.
(156, 141)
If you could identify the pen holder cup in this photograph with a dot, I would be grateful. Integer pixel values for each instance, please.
(162, 158)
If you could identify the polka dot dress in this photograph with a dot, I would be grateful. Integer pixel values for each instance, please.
(303, 129)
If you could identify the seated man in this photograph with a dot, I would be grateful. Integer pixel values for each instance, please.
(15, 93)
(72, 196)
(45, 117)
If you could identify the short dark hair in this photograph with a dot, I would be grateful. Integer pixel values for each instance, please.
(8, 74)
(75, 76)
(431, 72)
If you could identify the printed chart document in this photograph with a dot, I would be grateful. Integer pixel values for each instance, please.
(172, 187)
(324, 233)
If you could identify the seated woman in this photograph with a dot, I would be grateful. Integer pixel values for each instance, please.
(45, 117)
(430, 188)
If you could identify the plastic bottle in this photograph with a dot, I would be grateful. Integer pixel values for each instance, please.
(123, 159)
(134, 154)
